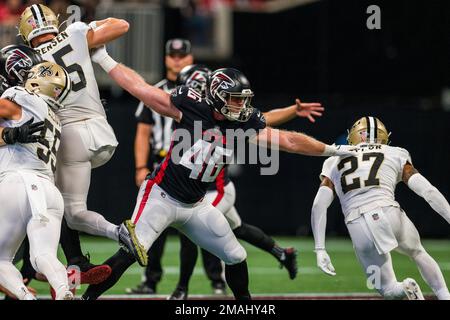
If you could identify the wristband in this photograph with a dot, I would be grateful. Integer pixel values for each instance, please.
(329, 151)
(108, 64)
(93, 25)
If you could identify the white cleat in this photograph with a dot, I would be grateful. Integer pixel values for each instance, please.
(412, 289)
(65, 295)
(68, 296)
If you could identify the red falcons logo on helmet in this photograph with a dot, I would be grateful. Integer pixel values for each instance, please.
(17, 61)
(197, 80)
(196, 76)
(222, 81)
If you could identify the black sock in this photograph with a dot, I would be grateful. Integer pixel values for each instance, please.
(154, 271)
(278, 252)
(213, 267)
(254, 236)
(237, 279)
(119, 263)
(70, 243)
(188, 259)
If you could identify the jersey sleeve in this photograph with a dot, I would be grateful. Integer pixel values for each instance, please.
(257, 120)
(144, 114)
(327, 169)
(79, 27)
(32, 105)
(185, 98)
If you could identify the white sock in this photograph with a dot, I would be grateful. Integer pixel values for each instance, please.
(54, 271)
(12, 280)
(94, 223)
(432, 275)
(443, 294)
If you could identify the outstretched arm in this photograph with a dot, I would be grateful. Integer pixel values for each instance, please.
(279, 116)
(296, 142)
(322, 201)
(422, 187)
(131, 81)
(105, 31)
(151, 96)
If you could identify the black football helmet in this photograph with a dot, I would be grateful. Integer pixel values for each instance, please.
(15, 62)
(194, 76)
(229, 92)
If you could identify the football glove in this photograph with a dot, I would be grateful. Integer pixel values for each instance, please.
(24, 133)
(340, 150)
(324, 262)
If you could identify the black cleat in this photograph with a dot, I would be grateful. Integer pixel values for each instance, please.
(142, 288)
(289, 261)
(87, 272)
(130, 243)
(179, 294)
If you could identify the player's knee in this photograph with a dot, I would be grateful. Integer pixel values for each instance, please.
(235, 256)
(74, 212)
(39, 259)
(417, 252)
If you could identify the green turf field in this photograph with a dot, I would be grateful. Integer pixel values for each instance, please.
(265, 275)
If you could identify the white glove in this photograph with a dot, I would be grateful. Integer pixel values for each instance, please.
(324, 262)
(340, 150)
(100, 56)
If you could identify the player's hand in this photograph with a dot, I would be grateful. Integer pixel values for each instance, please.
(341, 150)
(324, 262)
(24, 133)
(141, 174)
(99, 54)
(309, 110)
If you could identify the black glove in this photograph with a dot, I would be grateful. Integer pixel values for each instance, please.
(24, 133)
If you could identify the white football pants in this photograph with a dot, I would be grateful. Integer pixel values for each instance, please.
(224, 202)
(379, 269)
(16, 221)
(205, 225)
(73, 178)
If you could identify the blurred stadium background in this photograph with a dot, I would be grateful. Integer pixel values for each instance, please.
(317, 51)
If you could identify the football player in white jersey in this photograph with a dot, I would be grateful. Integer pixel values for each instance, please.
(87, 139)
(30, 203)
(365, 185)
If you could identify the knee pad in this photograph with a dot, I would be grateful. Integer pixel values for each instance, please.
(235, 255)
(218, 224)
(74, 210)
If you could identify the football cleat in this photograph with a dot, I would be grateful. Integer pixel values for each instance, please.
(289, 261)
(219, 288)
(82, 271)
(130, 243)
(142, 288)
(412, 289)
(68, 295)
(180, 293)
